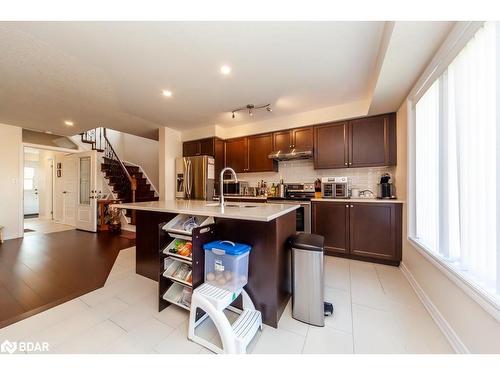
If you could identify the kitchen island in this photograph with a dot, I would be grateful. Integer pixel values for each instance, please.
(266, 227)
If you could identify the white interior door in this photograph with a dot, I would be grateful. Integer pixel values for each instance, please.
(31, 199)
(86, 206)
(69, 189)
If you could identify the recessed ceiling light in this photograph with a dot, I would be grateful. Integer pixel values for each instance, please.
(167, 93)
(225, 69)
(69, 123)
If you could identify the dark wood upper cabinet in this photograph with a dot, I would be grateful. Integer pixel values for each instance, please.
(364, 142)
(282, 141)
(207, 146)
(236, 154)
(302, 139)
(372, 141)
(259, 147)
(191, 148)
(198, 147)
(330, 220)
(330, 145)
(374, 230)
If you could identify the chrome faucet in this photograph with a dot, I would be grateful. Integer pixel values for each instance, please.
(221, 186)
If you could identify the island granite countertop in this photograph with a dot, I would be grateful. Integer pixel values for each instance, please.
(241, 211)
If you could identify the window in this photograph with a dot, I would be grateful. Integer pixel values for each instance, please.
(29, 175)
(456, 210)
(85, 180)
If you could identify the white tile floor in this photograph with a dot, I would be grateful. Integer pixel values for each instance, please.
(43, 226)
(376, 311)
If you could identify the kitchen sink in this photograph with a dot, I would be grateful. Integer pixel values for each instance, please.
(234, 205)
(241, 205)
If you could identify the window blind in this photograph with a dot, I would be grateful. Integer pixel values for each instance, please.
(456, 167)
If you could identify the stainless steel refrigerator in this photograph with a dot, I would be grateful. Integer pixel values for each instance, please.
(195, 177)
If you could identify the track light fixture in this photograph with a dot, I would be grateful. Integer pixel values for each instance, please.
(250, 109)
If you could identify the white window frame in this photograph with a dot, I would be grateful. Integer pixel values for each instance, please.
(455, 42)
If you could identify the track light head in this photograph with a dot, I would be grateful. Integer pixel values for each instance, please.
(250, 108)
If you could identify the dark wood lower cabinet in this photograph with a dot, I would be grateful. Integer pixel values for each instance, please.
(330, 219)
(364, 231)
(373, 230)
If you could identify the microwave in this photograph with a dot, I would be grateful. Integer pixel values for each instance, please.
(235, 188)
(335, 187)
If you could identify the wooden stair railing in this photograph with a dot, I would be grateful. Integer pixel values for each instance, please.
(114, 168)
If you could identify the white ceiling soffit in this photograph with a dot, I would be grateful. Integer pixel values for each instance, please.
(411, 47)
(112, 73)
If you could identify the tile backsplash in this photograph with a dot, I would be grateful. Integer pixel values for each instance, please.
(297, 171)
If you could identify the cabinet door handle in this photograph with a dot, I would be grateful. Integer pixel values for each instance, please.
(350, 163)
(347, 205)
(345, 163)
(352, 206)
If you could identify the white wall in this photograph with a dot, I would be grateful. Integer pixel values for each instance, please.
(137, 150)
(475, 328)
(274, 122)
(170, 148)
(11, 150)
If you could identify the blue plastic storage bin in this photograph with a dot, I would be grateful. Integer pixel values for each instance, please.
(226, 264)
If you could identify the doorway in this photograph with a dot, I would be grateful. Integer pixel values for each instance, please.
(31, 171)
(40, 188)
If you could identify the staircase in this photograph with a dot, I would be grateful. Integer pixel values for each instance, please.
(127, 182)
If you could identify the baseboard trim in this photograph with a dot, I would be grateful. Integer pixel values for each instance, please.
(448, 332)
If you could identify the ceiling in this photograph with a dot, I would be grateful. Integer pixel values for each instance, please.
(112, 73)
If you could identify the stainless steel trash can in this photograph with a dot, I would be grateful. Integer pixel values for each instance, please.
(308, 279)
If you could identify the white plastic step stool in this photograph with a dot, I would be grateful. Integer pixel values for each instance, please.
(236, 337)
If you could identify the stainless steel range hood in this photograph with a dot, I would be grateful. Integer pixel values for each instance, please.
(293, 155)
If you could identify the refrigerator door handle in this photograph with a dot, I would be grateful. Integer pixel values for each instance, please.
(189, 179)
(205, 168)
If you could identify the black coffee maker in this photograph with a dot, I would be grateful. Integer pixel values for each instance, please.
(385, 189)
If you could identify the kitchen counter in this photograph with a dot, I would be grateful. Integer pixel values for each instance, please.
(265, 227)
(244, 211)
(357, 200)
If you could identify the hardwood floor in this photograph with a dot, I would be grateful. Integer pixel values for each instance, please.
(39, 272)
